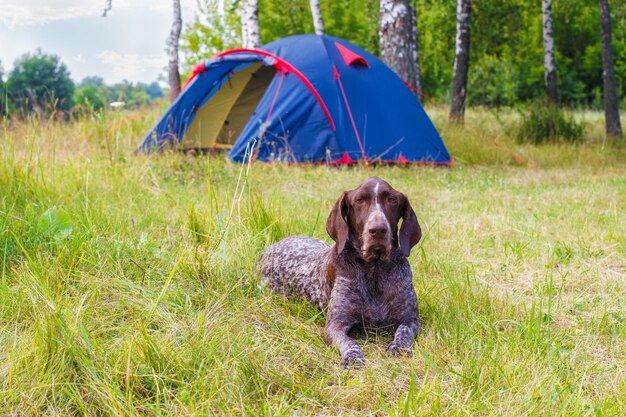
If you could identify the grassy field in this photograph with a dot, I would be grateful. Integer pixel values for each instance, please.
(128, 284)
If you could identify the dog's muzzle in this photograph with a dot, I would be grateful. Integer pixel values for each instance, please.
(377, 252)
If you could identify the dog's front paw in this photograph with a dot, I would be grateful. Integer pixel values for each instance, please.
(397, 350)
(353, 359)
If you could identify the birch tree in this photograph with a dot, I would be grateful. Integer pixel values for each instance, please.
(250, 32)
(461, 60)
(611, 100)
(397, 33)
(172, 51)
(318, 22)
(548, 52)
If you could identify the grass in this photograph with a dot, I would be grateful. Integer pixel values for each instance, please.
(128, 284)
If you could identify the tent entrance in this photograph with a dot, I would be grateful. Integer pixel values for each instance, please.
(218, 123)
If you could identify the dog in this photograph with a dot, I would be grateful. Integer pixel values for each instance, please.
(364, 279)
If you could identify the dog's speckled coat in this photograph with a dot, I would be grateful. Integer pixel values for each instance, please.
(362, 280)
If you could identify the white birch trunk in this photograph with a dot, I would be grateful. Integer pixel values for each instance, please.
(172, 51)
(397, 32)
(318, 22)
(250, 32)
(548, 52)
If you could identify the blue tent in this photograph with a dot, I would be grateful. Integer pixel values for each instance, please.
(304, 98)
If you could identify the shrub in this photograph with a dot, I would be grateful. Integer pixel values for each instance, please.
(543, 122)
(40, 83)
(89, 99)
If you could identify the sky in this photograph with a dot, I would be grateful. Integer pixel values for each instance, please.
(128, 44)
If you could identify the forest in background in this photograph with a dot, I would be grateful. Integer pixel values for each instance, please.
(40, 83)
(506, 63)
(506, 54)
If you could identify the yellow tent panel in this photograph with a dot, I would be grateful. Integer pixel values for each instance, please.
(219, 122)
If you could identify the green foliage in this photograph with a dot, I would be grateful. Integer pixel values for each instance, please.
(579, 63)
(492, 83)
(209, 33)
(515, 45)
(3, 97)
(40, 83)
(93, 80)
(153, 90)
(353, 20)
(280, 18)
(134, 95)
(548, 123)
(95, 94)
(506, 63)
(436, 25)
(89, 98)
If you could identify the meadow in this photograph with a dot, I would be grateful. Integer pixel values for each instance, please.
(128, 283)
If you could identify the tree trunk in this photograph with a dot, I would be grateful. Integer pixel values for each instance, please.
(250, 32)
(611, 100)
(548, 52)
(397, 32)
(461, 60)
(172, 51)
(318, 22)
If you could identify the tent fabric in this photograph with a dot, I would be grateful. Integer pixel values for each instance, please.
(349, 57)
(224, 116)
(329, 101)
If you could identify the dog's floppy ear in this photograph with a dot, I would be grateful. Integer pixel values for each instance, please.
(410, 231)
(336, 225)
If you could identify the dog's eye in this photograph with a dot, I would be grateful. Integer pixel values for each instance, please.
(392, 200)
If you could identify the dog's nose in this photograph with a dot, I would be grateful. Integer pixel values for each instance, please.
(378, 230)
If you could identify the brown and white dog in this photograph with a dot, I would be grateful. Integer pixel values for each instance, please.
(364, 279)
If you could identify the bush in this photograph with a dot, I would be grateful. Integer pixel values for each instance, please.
(543, 122)
(88, 99)
(40, 83)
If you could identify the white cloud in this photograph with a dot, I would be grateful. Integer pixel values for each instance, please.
(77, 59)
(132, 66)
(29, 12)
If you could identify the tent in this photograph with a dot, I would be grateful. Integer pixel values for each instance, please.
(304, 98)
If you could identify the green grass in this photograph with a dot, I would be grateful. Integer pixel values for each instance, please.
(128, 284)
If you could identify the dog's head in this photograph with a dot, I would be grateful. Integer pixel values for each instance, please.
(367, 219)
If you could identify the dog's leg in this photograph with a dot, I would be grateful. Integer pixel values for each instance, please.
(351, 353)
(404, 337)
